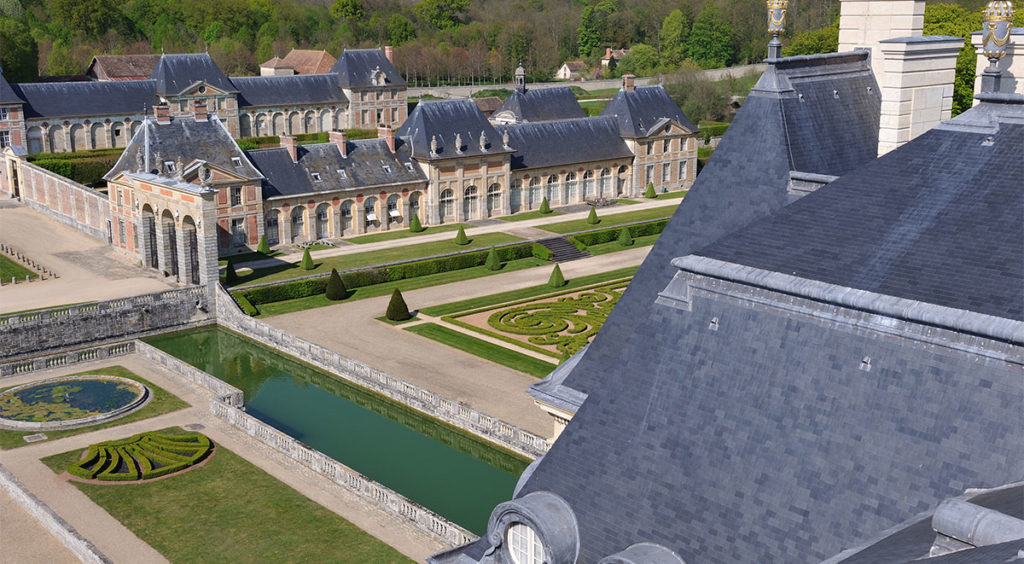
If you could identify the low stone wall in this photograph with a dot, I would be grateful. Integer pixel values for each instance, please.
(89, 354)
(416, 397)
(385, 498)
(62, 327)
(225, 392)
(59, 528)
(65, 200)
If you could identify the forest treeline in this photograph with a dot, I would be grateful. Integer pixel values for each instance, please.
(450, 41)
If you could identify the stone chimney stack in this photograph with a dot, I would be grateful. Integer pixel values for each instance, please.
(288, 142)
(865, 23)
(162, 113)
(389, 52)
(607, 52)
(340, 140)
(386, 133)
(628, 82)
(199, 110)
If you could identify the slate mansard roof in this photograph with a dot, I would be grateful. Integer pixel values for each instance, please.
(85, 99)
(288, 90)
(543, 104)
(639, 110)
(364, 168)
(564, 142)
(174, 73)
(355, 68)
(444, 120)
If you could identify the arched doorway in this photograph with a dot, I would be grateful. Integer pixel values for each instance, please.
(394, 214)
(57, 144)
(370, 208)
(446, 204)
(323, 221)
(245, 125)
(493, 199)
(414, 205)
(535, 193)
(469, 203)
(551, 189)
(190, 244)
(169, 244)
(620, 182)
(346, 216)
(149, 245)
(273, 228)
(515, 196)
(588, 184)
(97, 136)
(298, 224)
(570, 188)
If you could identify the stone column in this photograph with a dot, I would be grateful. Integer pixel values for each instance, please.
(184, 246)
(360, 217)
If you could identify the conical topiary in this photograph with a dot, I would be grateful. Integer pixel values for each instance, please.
(230, 276)
(545, 207)
(493, 262)
(264, 247)
(556, 280)
(336, 289)
(460, 237)
(592, 218)
(307, 261)
(650, 191)
(625, 238)
(397, 310)
(414, 224)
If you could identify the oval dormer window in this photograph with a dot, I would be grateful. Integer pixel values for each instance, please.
(524, 545)
(202, 90)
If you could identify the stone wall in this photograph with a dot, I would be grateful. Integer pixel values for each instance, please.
(65, 200)
(59, 528)
(65, 358)
(58, 328)
(440, 407)
(385, 498)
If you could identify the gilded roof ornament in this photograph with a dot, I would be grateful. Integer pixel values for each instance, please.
(776, 25)
(998, 22)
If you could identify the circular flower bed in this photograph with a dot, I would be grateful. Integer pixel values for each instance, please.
(70, 401)
(142, 457)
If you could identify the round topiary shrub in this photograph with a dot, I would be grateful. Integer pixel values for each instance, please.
(336, 287)
(397, 310)
(142, 456)
(460, 237)
(625, 239)
(592, 219)
(414, 224)
(650, 193)
(556, 280)
(307, 260)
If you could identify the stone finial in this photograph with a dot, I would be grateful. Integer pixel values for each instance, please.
(458, 143)
(140, 161)
(483, 141)
(433, 145)
(504, 138)
(776, 25)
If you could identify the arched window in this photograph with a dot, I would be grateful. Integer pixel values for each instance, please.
(588, 184)
(551, 189)
(393, 213)
(272, 229)
(323, 221)
(469, 203)
(370, 207)
(570, 188)
(524, 544)
(493, 199)
(535, 194)
(346, 215)
(447, 203)
(605, 188)
(298, 234)
(414, 204)
(515, 196)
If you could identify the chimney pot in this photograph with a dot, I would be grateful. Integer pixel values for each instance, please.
(385, 132)
(288, 142)
(628, 82)
(389, 52)
(339, 139)
(162, 113)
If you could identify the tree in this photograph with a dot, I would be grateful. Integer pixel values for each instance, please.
(460, 237)
(441, 14)
(950, 19)
(811, 42)
(674, 32)
(556, 280)
(93, 18)
(19, 54)
(307, 261)
(592, 219)
(414, 224)
(230, 276)
(588, 35)
(397, 310)
(650, 193)
(336, 289)
(545, 207)
(492, 262)
(348, 10)
(263, 248)
(625, 238)
(710, 41)
(400, 29)
(641, 60)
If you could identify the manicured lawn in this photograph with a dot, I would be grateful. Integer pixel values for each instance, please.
(610, 220)
(228, 510)
(533, 291)
(672, 195)
(626, 202)
(403, 233)
(704, 152)
(595, 107)
(286, 271)
(11, 269)
(320, 247)
(162, 402)
(300, 304)
(483, 349)
(602, 93)
(613, 246)
(245, 257)
(529, 215)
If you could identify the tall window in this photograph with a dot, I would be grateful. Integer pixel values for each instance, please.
(5, 138)
(650, 147)
(666, 145)
(5, 114)
(535, 193)
(370, 207)
(524, 545)
(666, 173)
(682, 171)
(238, 231)
(469, 199)
(570, 188)
(551, 189)
(122, 239)
(650, 174)
(236, 196)
(588, 184)
(447, 203)
(605, 187)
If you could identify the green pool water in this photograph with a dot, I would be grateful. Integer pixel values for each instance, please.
(450, 472)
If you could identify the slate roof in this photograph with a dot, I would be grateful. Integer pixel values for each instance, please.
(183, 137)
(309, 61)
(288, 90)
(639, 110)
(544, 104)
(564, 142)
(444, 119)
(355, 68)
(364, 167)
(122, 67)
(86, 99)
(174, 73)
(7, 94)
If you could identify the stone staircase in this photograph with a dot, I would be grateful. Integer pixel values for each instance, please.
(563, 250)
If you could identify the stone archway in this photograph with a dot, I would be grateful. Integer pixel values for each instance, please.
(149, 243)
(323, 221)
(298, 231)
(168, 244)
(273, 227)
(189, 266)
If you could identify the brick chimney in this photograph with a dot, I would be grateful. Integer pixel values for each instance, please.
(199, 110)
(288, 142)
(607, 52)
(162, 113)
(628, 82)
(385, 132)
(389, 52)
(339, 138)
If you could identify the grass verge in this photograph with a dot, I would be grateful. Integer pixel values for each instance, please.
(404, 233)
(494, 353)
(614, 246)
(233, 512)
(529, 215)
(11, 269)
(162, 402)
(610, 220)
(246, 257)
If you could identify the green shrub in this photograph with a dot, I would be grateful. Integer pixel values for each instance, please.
(263, 247)
(248, 145)
(307, 261)
(584, 240)
(285, 291)
(87, 154)
(460, 237)
(556, 280)
(574, 239)
(397, 310)
(335, 287)
(414, 224)
(650, 193)
(492, 262)
(714, 129)
(592, 219)
(541, 252)
(545, 207)
(230, 276)
(245, 304)
(625, 239)
(60, 166)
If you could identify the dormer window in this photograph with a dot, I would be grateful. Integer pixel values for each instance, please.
(316, 176)
(169, 165)
(408, 166)
(387, 169)
(5, 114)
(236, 161)
(342, 173)
(524, 546)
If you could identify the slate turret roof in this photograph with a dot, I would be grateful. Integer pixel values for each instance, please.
(444, 120)
(639, 110)
(564, 142)
(288, 90)
(355, 68)
(364, 167)
(175, 73)
(544, 104)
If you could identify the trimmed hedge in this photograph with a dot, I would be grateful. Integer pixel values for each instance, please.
(246, 305)
(541, 252)
(584, 240)
(83, 170)
(140, 457)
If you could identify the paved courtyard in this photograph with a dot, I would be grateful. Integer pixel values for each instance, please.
(88, 269)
